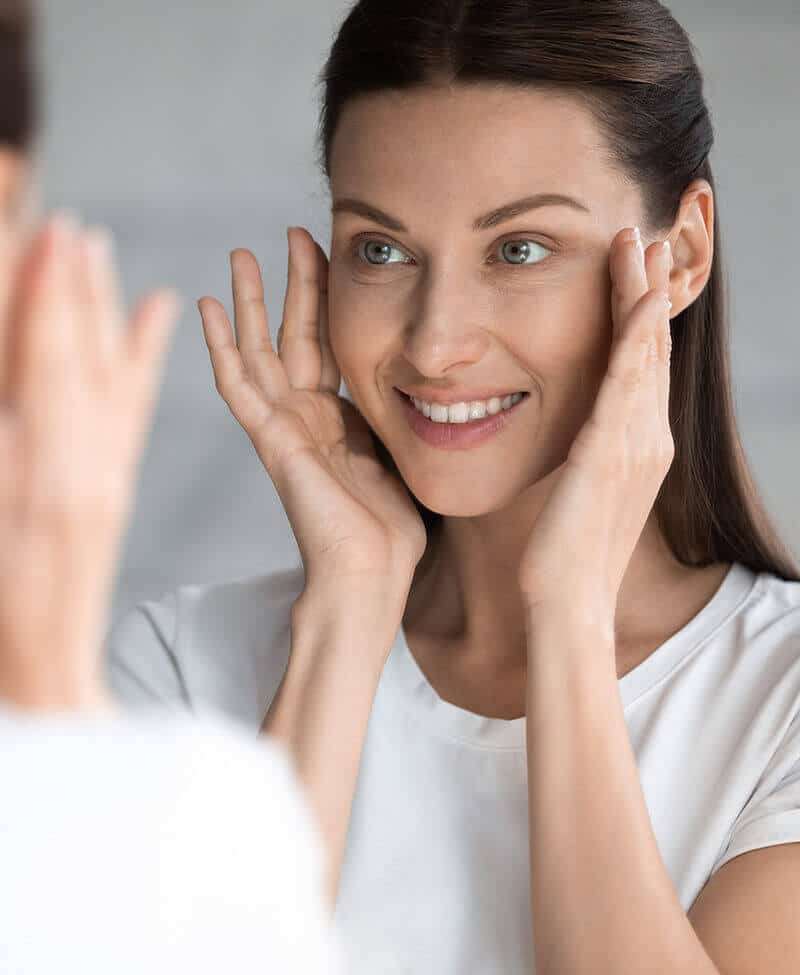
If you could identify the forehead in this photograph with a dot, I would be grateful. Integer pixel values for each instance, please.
(473, 145)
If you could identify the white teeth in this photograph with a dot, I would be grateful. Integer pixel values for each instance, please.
(464, 412)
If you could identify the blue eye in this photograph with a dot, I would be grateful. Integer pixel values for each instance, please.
(517, 249)
(383, 250)
(521, 249)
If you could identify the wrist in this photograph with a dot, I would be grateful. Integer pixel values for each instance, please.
(573, 624)
(57, 695)
(360, 601)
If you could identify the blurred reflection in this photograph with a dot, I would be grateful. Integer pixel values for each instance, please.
(166, 845)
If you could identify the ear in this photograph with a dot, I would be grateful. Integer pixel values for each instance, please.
(692, 240)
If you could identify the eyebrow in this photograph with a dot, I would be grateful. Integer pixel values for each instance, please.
(492, 219)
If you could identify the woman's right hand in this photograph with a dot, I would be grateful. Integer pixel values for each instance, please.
(350, 516)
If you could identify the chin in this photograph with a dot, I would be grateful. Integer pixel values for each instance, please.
(481, 498)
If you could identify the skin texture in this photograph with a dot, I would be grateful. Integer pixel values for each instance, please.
(453, 308)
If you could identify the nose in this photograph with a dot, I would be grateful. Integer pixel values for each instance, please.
(447, 331)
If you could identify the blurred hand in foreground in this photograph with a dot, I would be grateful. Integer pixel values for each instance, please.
(77, 390)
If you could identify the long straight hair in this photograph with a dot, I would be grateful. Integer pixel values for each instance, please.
(634, 67)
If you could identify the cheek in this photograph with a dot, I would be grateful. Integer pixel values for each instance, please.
(562, 332)
(356, 337)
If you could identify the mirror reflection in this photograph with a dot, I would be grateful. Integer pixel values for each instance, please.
(394, 520)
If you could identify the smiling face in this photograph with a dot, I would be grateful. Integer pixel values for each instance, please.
(517, 305)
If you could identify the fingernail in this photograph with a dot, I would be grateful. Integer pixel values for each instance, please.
(636, 234)
(666, 248)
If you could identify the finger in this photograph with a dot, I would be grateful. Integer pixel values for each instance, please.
(145, 344)
(105, 294)
(299, 346)
(628, 276)
(43, 313)
(331, 377)
(246, 400)
(30, 210)
(252, 324)
(660, 364)
(658, 258)
(628, 364)
(659, 262)
(21, 252)
(85, 351)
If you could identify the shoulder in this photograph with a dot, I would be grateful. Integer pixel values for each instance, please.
(760, 680)
(770, 622)
(758, 646)
(761, 686)
(216, 646)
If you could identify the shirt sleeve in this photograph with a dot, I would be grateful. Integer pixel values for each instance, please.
(772, 814)
(141, 665)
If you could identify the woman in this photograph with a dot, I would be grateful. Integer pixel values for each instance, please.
(538, 668)
(127, 846)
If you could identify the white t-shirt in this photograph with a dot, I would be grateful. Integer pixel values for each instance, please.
(162, 845)
(435, 875)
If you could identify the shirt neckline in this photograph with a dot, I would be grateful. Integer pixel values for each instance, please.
(458, 724)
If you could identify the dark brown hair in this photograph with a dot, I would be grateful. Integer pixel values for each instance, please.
(635, 68)
(18, 89)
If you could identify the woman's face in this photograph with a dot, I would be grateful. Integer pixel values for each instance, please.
(522, 305)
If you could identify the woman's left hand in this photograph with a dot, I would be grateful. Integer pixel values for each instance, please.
(78, 382)
(603, 494)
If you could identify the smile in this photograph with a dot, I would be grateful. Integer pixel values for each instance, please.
(450, 432)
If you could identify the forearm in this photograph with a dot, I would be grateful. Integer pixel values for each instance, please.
(602, 899)
(323, 704)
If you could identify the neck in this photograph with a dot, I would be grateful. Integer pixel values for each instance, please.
(465, 596)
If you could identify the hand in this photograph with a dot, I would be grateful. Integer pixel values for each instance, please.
(76, 394)
(351, 518)
(591, 522)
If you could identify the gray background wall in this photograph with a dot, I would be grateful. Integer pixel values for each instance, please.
(188, 129)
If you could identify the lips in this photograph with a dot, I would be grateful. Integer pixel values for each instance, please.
(457, 436)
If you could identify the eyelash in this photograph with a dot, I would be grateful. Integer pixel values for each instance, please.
(371, 238)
